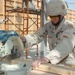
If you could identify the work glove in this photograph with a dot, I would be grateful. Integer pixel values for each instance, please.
(23, 40)
(39, 61)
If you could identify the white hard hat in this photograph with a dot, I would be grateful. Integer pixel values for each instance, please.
(56, 7)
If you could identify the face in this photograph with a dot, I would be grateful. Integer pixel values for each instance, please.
(54, 19)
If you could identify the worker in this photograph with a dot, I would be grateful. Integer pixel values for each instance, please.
(24, 4)
(60, 33)
(30, 4)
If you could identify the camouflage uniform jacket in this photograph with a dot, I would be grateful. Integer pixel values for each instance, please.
(60, 39)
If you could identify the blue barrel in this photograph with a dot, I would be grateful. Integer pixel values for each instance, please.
(4, 35)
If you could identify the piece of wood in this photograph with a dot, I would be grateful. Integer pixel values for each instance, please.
(15, 61)
(35, 72)
(61, 70)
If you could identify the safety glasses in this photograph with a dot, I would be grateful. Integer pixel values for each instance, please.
(53, 17)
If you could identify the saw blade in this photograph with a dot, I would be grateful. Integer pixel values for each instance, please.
(17, 42)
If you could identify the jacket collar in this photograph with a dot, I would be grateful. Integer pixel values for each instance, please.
(59, 27)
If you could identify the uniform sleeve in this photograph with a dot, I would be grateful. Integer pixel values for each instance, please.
(37, 37)
(63, 49)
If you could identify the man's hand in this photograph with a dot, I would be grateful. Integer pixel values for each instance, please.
(37, 62)
(23, 39)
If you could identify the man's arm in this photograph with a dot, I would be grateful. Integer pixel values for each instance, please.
(33, 39)
(63, 49)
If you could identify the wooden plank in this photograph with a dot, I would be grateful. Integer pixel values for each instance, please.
(61, 70)
(15, 61)
(35, 72)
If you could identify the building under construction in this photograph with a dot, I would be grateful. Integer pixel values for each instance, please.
(28, 20)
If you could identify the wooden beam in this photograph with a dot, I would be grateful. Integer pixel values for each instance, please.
(61, 70)
(35, 72)
(15, 61)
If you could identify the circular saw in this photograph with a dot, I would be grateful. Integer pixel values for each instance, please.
(13, 47)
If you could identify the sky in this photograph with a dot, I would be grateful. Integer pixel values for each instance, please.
(71, 4)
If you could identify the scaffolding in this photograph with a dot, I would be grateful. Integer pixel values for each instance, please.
(25, 14)
(26, 17)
